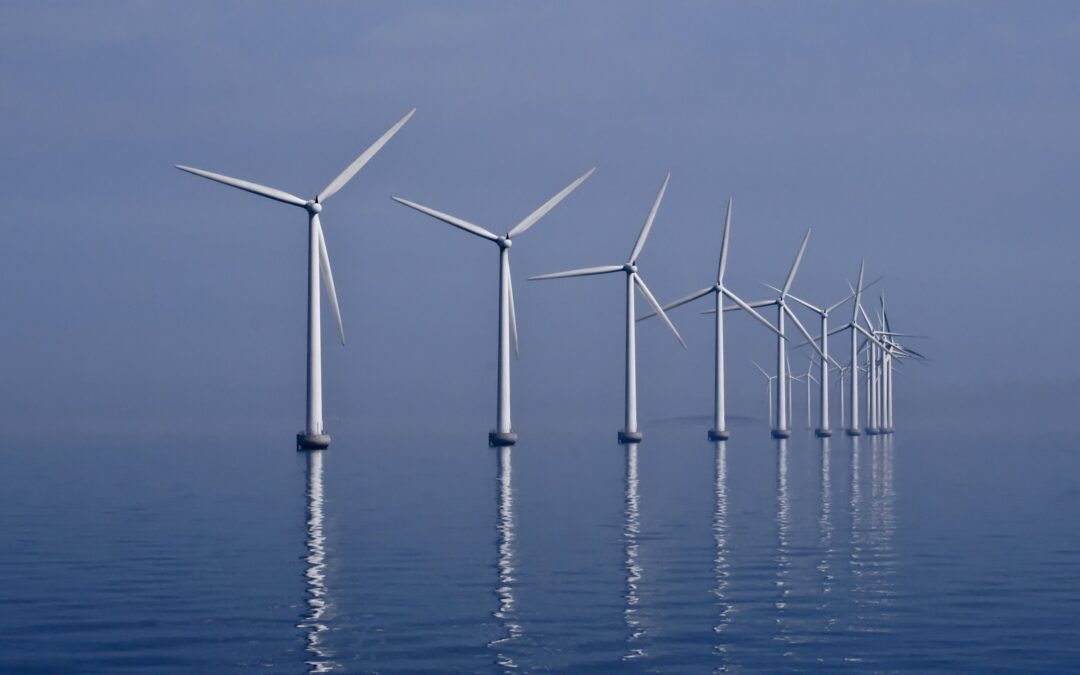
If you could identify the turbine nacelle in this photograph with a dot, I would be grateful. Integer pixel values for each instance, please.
(629, 268)
(504, 241)
(313, 206)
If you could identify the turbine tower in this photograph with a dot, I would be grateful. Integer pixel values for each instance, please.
(630, 432)
(503, 433)
(783, 426)
(719, 431)
(314, 436)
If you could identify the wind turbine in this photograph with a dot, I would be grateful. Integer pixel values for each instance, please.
(503, 434)
(630, 432)
(875, 348)
(768, 388)
(855, 328)
(840, 378)
(782, 428)
(719, 431)
(314, 436)
(823, 379)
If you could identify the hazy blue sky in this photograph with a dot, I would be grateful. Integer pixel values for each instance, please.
(938, 140)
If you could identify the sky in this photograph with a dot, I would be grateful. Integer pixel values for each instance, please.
(936, 140)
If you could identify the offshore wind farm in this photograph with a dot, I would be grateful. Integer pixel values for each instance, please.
(841, 453)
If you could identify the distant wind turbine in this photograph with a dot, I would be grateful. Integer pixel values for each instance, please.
(768, 388)
(719, 431)
(630, 432)
(503, 434)
(783, 427)
(823, 429)
(314, 436)
(855, 328)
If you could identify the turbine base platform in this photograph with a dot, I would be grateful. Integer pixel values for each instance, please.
(872, 431)
(823, 433)
(853, 432)
(630, 437)
(719, 434)
(306, 441)
(887, 430)
(781, 433)
(499, 439)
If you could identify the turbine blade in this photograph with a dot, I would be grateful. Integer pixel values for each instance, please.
(833, 306)
(795, 265)
(869, 336)
(724, 244)
(255, 188)
(513, 311)
(746, 307)
(834, 331)
(583, 272)
(358, 163)
(681, 301)
(802, 329)
(858, 292)
(644, 234)
(328, 279)
(866, 318)
(548, 205)
(806, 304)
(452, 220)
(657, 308)
(760, 368)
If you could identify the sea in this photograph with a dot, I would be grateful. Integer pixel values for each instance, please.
(400, 552)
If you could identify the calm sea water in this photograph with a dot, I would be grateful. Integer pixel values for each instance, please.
(918, 552)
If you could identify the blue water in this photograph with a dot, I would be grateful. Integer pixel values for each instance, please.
(919, 552)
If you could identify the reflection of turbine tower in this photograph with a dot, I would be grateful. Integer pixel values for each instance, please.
(721, 564)
(825, 533)
(631, 532)
(783, 543)
(873, 560)
(314, 621)
(504, 528)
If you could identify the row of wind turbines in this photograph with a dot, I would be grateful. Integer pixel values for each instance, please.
(879, 342)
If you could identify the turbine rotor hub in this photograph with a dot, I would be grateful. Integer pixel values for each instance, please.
(313, 207)
(630, 268)
(504, 242)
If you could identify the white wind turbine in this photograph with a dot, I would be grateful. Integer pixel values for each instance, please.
(855, 328)
(719, 431)
(782, 428)
(503, 433)
(875, 349)
(630, 432)
(314, 436)
(823, 378)
(768, 388)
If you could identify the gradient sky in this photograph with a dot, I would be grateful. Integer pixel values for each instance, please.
(938, 140)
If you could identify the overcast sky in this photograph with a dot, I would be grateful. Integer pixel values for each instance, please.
(937, 140)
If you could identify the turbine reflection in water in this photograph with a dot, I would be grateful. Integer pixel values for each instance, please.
(873, 561)
(504, 529)
(783, 547)
(825, 538)
(631, 532)
(721, 563)
(318, 600)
